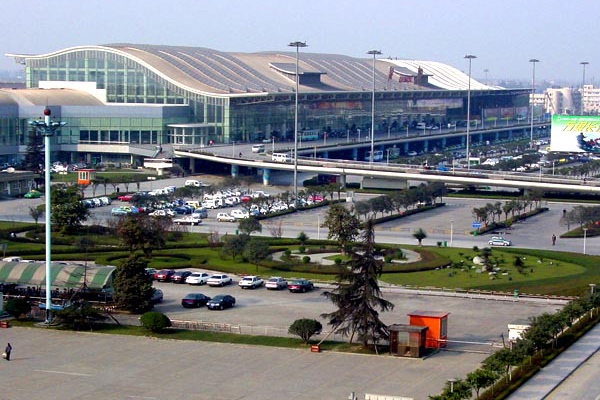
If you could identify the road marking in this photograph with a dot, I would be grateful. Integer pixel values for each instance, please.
(62, 372)
(141, 397)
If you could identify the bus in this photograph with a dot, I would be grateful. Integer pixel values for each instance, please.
(377, 155)
(281, 157)
(309, 134)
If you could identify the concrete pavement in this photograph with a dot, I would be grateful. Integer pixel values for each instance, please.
(554, 374)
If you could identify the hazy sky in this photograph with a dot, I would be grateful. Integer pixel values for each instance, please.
(503, 34)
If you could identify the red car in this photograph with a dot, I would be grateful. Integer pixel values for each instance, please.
(245, 199)
(164, 275)
(125, 197)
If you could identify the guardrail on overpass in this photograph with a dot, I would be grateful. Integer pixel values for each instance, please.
(459, 176)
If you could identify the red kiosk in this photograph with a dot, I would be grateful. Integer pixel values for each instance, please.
(437, 324)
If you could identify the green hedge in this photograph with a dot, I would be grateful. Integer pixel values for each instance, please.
(578, 232)
(407, 213)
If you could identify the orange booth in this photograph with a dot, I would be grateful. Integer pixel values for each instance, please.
(437, 324)
(86, 176)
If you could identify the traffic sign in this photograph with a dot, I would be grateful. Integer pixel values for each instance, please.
(476, 224)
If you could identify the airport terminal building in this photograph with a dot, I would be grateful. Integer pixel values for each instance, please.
(124, 102)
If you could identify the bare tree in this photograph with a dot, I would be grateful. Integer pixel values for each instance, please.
(276, 229)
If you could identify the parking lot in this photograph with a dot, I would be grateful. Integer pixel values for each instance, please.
(263, 311)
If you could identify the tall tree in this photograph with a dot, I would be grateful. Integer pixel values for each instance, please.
(132, 285)
(256, 250)
(68, 212)
(142, 232)
(480, 379)
(249, 225)
(343, 225)
(357, 295)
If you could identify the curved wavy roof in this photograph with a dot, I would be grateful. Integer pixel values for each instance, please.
(208, 71)
(42, 97)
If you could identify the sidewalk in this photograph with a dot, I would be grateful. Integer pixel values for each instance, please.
(551, 376)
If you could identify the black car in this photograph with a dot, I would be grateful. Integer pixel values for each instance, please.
(195, 300)
(220, 302)
(180, 276)
(157, 296)
(300, 285)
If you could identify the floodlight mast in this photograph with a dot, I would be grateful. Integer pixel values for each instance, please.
(47, 128)
(297, 45)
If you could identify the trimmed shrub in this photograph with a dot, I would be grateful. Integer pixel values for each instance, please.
(17, 307)
(155, 321)
(338, 261)
(302, 249)
(306, 259)
(305, 328)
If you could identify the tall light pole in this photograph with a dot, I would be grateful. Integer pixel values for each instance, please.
(47, 128)
(469, 57)
(583, 63)
(374, 53)
(533, 61)
(584, 238)
(297, 45)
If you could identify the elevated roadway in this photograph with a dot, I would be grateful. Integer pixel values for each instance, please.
(403, 172)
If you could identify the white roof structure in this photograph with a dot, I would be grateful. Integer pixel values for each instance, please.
(442, 75)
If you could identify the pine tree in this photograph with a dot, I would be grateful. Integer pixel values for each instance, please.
(132, 285)
(358, 296)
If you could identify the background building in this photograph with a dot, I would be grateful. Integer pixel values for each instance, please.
(122, 102)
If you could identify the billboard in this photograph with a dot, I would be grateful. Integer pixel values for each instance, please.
(577, 134)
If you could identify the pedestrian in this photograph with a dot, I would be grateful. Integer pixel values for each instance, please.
(7, 351)
(553, 240)
(240, 154)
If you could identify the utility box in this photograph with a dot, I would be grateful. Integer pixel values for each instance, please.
(437, 324)
(407, 340)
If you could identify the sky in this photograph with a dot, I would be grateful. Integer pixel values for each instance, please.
(503, 34)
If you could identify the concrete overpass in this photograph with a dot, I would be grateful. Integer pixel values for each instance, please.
(401, 172)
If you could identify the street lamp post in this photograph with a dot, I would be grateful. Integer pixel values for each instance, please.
(47, 128)
(297, 45)
(469, 57)
(583, 63)
(533, 61)
(584, 238)
(374, 53)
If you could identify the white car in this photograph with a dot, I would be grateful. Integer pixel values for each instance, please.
(192, 219)
(499, 241)
(251, 282)
(219, 280)
(193, 182)
(162, 213)
(240, 214)
(197, 278)
(224, 217)
(276, 283)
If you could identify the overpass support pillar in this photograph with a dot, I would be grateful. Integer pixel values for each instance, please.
(463, 140)
(266, 176)
(443, 143)
(510, 134)
(480, 137)
(355, 153)
(497, 136)
(193, 165)
(425, 146)
(405, 147)
(343, 181)
(325, 154)
(235, 170)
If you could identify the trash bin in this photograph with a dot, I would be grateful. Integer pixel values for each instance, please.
(237, 232)
(445, 243)
(475, 233)
(315, 348)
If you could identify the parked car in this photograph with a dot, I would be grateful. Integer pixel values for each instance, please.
(224, 217)
(498, 241)
(300, 285)
(251, 282)
(239, 214)
(157, 296)
(164, 275)
(221, 302)
(125, 197)
(276, 283)
(180, 276)
(194, 300)
(197, 278)
(201, 212)
(219, 280)
(150, 272)
(193, 219)
(32, 194)
(118, 211)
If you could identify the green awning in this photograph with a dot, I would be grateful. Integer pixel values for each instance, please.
(63, 275)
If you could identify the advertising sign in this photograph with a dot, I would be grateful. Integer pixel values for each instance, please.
(577, 134)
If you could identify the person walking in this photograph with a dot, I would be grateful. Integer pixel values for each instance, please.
(7, 351)
(553, 240)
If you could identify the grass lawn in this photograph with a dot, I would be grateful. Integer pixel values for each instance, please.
(466, 277)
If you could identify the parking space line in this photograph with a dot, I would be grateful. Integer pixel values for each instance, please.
(62, 372)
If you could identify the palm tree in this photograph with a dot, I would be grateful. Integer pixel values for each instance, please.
(420, 234)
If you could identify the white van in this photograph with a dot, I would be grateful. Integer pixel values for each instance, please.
(239, 214)
(212, 203)
(258, 148)
(281, 157)
(421, 125)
